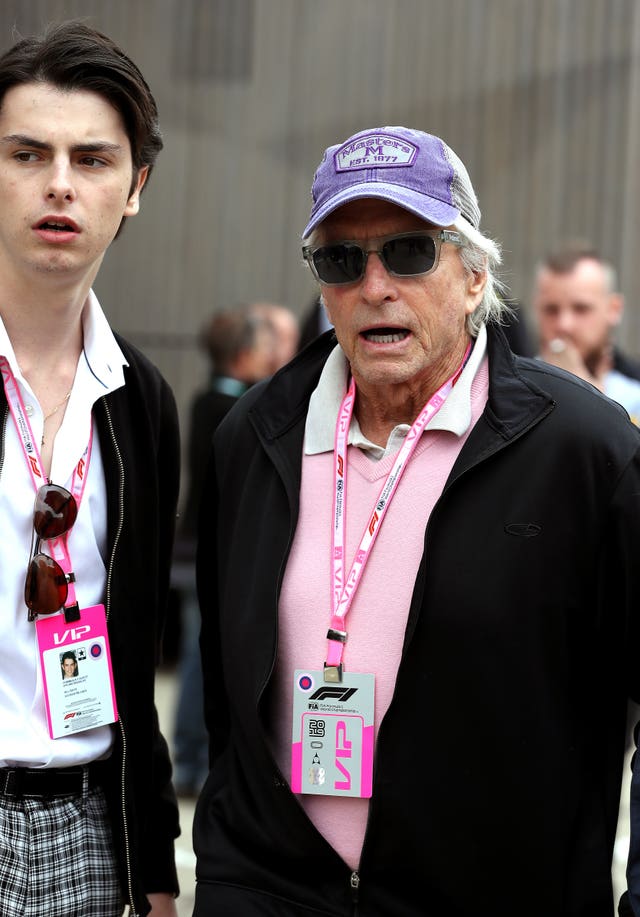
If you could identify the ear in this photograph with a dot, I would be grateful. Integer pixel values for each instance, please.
(615, 308)
(476, 282)
(133, 204)
(324, 306)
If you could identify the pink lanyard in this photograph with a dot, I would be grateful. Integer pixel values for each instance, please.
(57, 546)
(344, 590)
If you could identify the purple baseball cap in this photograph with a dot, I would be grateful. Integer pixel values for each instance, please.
(414, 170)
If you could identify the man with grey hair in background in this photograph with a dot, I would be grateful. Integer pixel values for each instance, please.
(286, 331)
(419, 586)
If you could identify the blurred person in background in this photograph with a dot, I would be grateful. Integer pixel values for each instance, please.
(314, 322)
(577, 307)
(239, 344)
(418, 576)
(286, 329)
(88, 815)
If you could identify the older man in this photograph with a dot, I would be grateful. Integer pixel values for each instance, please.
(418, 581)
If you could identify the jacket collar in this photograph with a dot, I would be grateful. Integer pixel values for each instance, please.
(283, 401)
(515, 403)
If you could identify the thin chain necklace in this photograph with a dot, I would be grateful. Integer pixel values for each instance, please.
(51, 413)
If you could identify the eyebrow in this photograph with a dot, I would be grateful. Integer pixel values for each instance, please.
(100, 146)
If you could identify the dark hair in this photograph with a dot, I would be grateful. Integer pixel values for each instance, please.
(71, 55)
(68, 655)
(227, 333)
(563, 259)
(566, 257)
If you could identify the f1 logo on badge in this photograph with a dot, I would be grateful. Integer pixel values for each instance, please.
(341, 694)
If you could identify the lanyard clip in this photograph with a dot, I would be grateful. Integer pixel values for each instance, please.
(72, 612)
(333, 673)
(340, 636)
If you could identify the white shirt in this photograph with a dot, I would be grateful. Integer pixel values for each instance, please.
(24, 738)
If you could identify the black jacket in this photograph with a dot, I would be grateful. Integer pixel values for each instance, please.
(137, 427)
(207, 410)
(498, 764)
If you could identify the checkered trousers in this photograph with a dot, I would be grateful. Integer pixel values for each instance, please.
(56, 858)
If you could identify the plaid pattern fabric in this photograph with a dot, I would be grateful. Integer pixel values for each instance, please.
(56, 858)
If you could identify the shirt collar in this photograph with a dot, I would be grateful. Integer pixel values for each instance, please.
(101, 352)
(99, 371)
(454, 415)
(227, 385)
(103, 356)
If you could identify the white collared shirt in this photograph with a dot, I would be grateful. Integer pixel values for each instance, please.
(454, 415)
(24, 738)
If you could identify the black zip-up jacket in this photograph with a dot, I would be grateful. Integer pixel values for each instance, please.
(498, 763)
(137, 426)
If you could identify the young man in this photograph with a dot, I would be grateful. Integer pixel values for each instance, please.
(419, 587)
(69, 665)
(577, 307)
(89, 430)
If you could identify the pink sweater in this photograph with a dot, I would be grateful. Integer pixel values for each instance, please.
(377, 619)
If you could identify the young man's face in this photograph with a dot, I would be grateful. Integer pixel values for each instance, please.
(65, 181)
(577, 307)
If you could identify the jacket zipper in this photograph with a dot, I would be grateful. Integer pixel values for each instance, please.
(116, 540)
(4, 434)
(354, 883)
(354, 878)
(125, 824)
(127, 846)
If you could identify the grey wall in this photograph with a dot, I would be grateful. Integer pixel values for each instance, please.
(540, 98)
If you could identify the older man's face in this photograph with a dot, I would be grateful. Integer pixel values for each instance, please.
(399, 333)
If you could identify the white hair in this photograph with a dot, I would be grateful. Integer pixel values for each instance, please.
(480, 254)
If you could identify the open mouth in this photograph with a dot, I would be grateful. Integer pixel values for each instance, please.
(57, 226)
(385, 335)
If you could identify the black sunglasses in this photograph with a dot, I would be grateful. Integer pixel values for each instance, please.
(409, 254)
(47, 585)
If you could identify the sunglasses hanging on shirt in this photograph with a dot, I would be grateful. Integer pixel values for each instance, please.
(47, 585)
